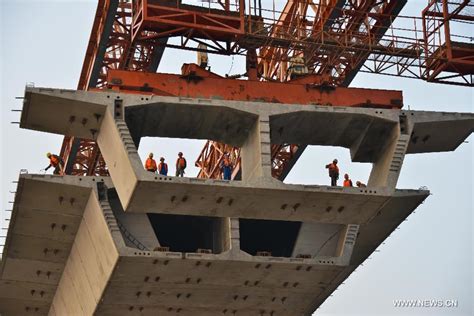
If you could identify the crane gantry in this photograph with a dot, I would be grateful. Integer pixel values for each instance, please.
(336, 39)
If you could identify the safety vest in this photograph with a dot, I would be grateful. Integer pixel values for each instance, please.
(181, 163)
(347, 183)
(226, 162)
(54, 160)
(150, 164)
(163, 168)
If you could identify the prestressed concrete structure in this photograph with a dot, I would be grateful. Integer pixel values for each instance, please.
(67, 253)
(117, 121)
(140, 243)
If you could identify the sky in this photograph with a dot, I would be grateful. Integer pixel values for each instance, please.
(430, 256)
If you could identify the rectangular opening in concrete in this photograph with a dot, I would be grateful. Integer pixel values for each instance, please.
(183, 233)
(267, 237)
(310, 169)
(168, 148)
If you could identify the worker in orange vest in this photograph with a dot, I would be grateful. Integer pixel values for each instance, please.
(180, 165)
(226, 167)
(163, 167)
(333, 172)
(150, 164)
(56, 162)
(347, 181)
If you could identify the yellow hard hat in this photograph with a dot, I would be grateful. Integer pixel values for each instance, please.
(48, 154)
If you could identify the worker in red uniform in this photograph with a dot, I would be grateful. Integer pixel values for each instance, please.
(226, 167)
(56, 162)
(150, 164)
(333, 172)
(347, 181)
(163, 167)
(180, 165)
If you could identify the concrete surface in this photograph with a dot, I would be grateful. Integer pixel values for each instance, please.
(46, 216)
(94, 245)
(382, 137)
(95, 271)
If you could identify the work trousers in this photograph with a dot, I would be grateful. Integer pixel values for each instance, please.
(227, 173)
(57, 170)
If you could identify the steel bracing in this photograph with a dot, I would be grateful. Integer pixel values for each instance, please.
(336, 38)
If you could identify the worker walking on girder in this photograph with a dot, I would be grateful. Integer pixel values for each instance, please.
(150, 163)
(333, 172)
(163, 167)
(56, 162)
(347, 181)
(180, 165)
(226, 167)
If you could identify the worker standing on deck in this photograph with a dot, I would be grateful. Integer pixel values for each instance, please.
(333, 172)
(180, 165)
(163, 167)
(226, 167)
(150, 164)
(347, 181)
(56, 162)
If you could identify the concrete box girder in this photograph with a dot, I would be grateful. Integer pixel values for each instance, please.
(226, 121)
(367, 132)
(140, 115)
(35, 251)
(104, 272)
(263, 281)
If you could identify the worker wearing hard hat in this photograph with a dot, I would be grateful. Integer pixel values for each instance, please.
(333, 172)
(226, 167)
(163, 167)
(180, 165)
(56, 162)
(150, 164)
(347, 181)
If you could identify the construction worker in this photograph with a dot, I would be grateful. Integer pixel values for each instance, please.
(360, 184)
(150, 164)
(347, 181)
(226, 167)
(163, 167)
(333, 172)
(56, 162)
(180, 165)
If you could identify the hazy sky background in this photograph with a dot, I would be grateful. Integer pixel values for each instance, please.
(429, 257)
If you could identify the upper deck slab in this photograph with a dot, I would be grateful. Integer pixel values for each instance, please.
(80, 113)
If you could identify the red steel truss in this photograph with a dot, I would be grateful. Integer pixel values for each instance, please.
(109, 48)
(448, 59)
(337, 38)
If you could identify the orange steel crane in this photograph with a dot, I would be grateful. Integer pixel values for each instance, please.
(336, 39)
